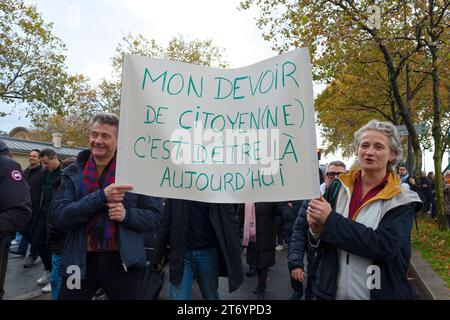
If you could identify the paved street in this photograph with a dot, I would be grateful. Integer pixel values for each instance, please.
(278, 284)
(21, 282)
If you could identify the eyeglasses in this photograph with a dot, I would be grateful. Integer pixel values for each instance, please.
(332, 174)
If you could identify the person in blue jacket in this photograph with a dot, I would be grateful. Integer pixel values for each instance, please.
(104, 225)
(362, 225)
(299, 241)
(289, 211)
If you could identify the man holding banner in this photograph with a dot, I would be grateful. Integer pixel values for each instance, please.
(105, 226)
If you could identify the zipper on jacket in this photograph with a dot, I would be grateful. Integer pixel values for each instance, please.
(336, 279)
(347, 276)
(123, 264)
(120, 253)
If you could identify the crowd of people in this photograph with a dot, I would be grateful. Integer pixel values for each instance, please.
(75, 217)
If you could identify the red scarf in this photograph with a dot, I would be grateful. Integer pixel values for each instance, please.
(356, 200)
(100, 230)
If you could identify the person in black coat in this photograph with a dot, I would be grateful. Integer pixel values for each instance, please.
(50, 177)
(261, 252)
(204, 244)
(425, 191)
(33, 176)
(15, 206)
(152, 279)
(432, 206)
(406, 178)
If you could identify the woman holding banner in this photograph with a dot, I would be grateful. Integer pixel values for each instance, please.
(362, 225)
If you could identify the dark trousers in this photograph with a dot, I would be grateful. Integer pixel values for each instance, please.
(297, 286)
(312, 262)
(23, 246)
(39, 241)
(105, 270)
(433, 208)
(262, 278)
(427, 201)
(279, 230)
(3, 264)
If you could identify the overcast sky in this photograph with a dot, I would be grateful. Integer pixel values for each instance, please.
(91, 30)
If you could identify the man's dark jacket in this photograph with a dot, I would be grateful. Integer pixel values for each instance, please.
(56, 239)
(34, 180)
(71, 212)
(15, 202)
(289, 211)
(173, 232)
(299, 240)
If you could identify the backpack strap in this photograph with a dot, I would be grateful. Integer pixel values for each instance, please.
(331, 193)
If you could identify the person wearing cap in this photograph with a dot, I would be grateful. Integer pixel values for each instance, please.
(15, 206)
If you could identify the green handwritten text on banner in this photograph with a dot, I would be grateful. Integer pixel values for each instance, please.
(219, 135)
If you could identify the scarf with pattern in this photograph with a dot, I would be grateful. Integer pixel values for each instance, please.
(100, 230)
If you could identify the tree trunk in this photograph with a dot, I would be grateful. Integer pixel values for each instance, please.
(437, 127)
(403, 108)
(437, 136)
(439, 188)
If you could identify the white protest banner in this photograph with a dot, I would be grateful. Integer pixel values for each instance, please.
(219, 135)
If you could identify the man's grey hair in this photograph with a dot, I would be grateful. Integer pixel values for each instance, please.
(106, 118)
(337, 163)
(390, 132)
(446, 173)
